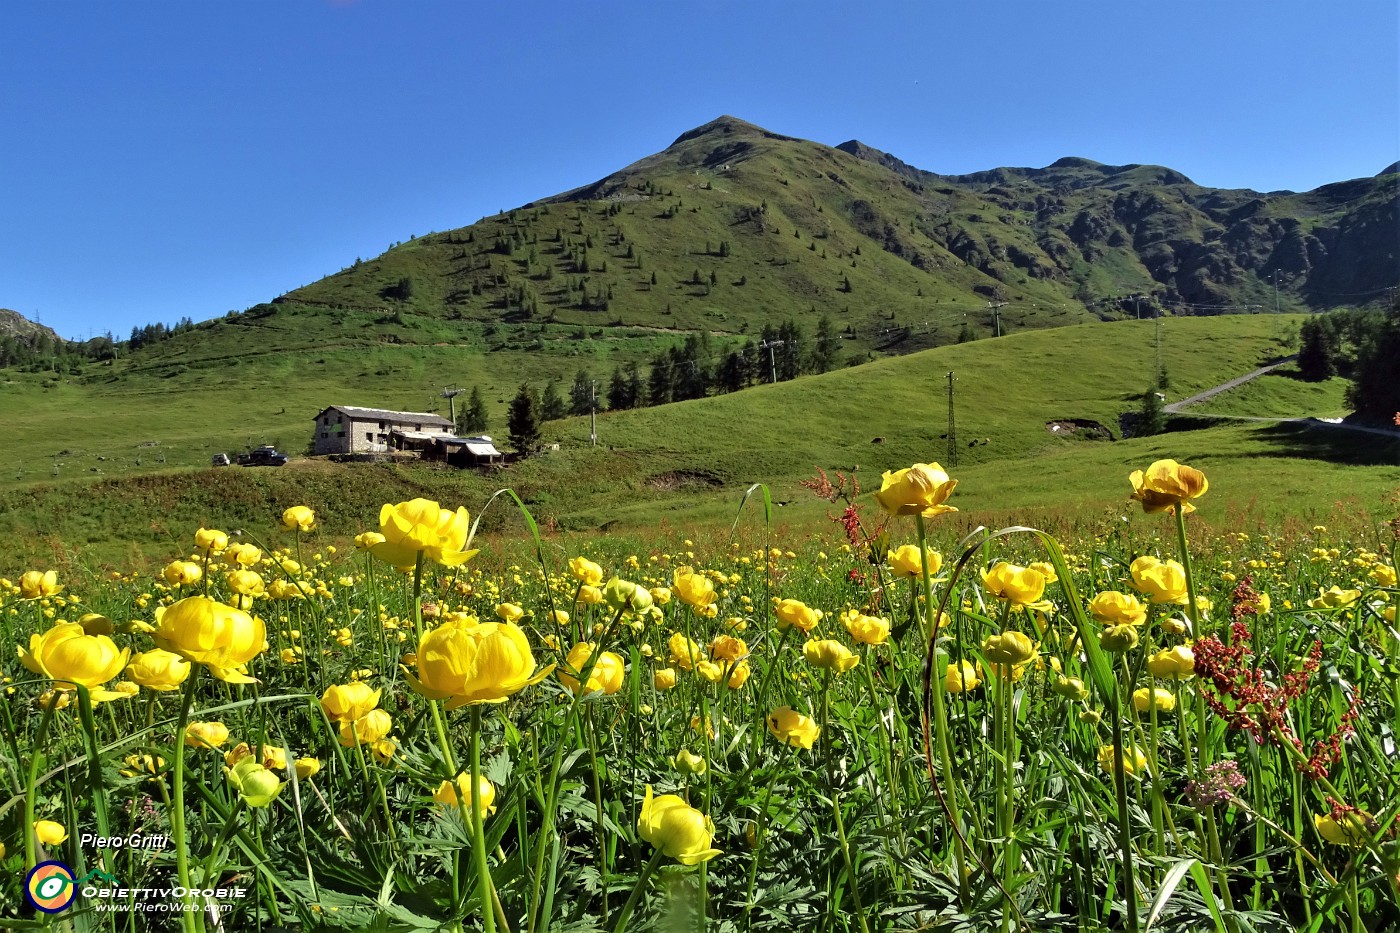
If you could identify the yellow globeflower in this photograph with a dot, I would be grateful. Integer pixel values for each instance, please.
(677, 829)
(207, 632)
(206, 734)
(245, 582)
(867, 630)
(1114, 608)
(793, 613)
(607, 674)
(1178, 662)
(829, 655)
(739, 675)
(1020, 586)
(1008, 648)
(509, 612)
(255, 784)
(242, 555)
(1334, 598)
(906, 561)
(1047, 570)
(1383, 575)
(1167, 484)
(348, 702)
(1134, 761)
(728, 648)
(589, 595)
(585, 571)
(210, 539)
(299, 518)
(692, 588)
(182, 573)
(687, 762)
(50, 833)
(1353, 829)
(366, 730)
(1161, 581)
(664, 678)
(961, 677)
(158, 669)
(685, 653)
(306, 768)
(1145, 699)
(366, 540)
(624, 594)
(922, 489)
(474, 662)
(37, 584)
(484, 798)
(69, 656)
(790, 727)
(421, 526)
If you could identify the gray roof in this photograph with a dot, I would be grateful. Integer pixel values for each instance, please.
(384, 414)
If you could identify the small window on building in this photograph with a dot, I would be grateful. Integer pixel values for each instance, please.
(381, 425)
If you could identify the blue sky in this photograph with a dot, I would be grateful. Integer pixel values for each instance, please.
(169, 159)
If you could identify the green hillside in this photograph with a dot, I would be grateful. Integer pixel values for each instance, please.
(688, 463)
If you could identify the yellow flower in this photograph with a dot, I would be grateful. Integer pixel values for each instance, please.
(1178, 662)
(1071, 688)
(484, 798)
(421, 526)
(1383, 575)
(245, 582)
(69, 656)
(1008, 648)
(1114, 608)
(790, 727)
(95, 624)
(1161, 581)
(624, 594)
(1334, 598)
(1145, 699)
(739, 675)
(687, 762)
(50, 833)
(1353, 829)
(1119, 638)
(36, 584)
(589, 595)
(922, 489)
(1167, 484)
(286, 589)
(158, 669)
(585, 571)
(206, 734)
(829, 655)
(509, 612)
(676, 828)
(366, 540)
(906, 562)
(1020, 586)
(664, 678)
(867, 630)
(366, 730)
(692, 588)
(793, 613)
(383, 751)
(142, 764)
(255, 784)
(210, 539)
(182, 573)
(607, 674)
(299, 518)
(348, 702)
(960, 677)
(1134, 761)
(272, 757)
(473, 662)
(207, 632)
(1047, 570)
(685, 653)
(243, 555)
(728, 648)
(306, 768)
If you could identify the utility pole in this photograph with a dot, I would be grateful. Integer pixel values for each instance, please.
(593, 415)
(1136, 309)
(1276, 291)
(450, 393)
(952, 427)
(772, 364)
(1159, 344)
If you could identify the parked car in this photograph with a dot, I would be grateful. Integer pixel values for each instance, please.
(219, 460)
(263, 456)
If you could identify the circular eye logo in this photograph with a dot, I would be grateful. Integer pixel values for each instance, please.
(50, 886)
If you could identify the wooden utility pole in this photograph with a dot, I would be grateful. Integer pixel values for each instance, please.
(952, 427)
(593, 414)
(772, 363)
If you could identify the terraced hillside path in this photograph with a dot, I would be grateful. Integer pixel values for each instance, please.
(1212, 392)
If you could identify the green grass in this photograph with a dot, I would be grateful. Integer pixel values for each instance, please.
(689, 463)
(1280, 394)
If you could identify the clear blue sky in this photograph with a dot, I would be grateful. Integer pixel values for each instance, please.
(166, 159)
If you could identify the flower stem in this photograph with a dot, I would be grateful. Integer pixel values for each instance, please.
(30, 841)
(483, 870)
(836, 803)
(188, 918)
(637, 890)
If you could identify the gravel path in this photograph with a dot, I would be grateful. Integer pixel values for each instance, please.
(1176, 407)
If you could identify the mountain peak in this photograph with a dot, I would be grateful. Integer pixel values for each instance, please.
(14, 324)
(727, 126)
(1391, 169)
(870, 154)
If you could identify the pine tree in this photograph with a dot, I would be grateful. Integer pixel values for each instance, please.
(524, 421)
(551, 404)
(635, 394)
(1317, 354)
(581, 393)
(825, 351)
(1152, 419)
(661, 384)
(617, 390)
(471, 420)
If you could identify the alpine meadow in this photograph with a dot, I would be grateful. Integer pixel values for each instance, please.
(767, 536)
